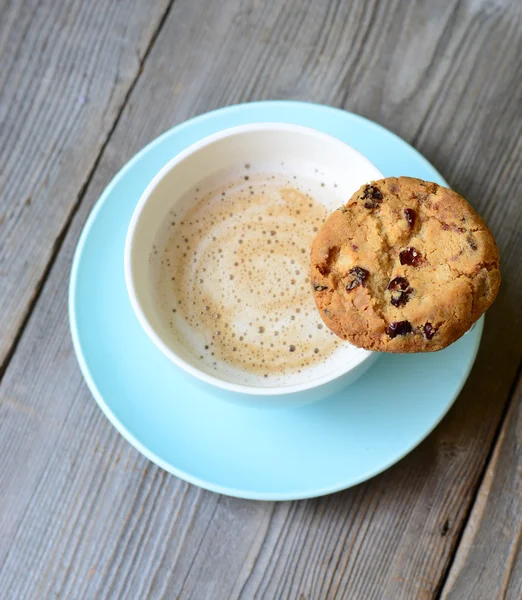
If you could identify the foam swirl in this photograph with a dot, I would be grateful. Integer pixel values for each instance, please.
(235, 270)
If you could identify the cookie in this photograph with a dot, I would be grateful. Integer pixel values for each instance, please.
(405, 266)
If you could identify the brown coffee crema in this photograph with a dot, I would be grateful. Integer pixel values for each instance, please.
(235, 270)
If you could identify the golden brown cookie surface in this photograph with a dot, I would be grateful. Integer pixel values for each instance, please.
(404, 266)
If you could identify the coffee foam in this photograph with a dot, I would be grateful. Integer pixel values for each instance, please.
(232, 275)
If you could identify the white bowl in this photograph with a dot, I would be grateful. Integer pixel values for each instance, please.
(262, 143)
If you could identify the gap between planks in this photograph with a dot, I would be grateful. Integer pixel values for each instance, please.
(81, 194)
(480, 480)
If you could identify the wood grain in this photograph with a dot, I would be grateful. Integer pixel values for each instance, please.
(488, 563)
(67, 67)
(84, 516)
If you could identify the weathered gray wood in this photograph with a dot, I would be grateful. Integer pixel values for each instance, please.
(67, 66)
(82, 515)
(488, 563)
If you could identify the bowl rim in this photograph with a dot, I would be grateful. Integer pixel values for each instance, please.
(280, 390)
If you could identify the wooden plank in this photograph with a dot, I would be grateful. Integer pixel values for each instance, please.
(83, 515)
(488, 563)
(67, 67)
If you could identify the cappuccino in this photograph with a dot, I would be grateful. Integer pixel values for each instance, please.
(233, 276)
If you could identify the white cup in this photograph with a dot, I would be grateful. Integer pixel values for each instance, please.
(257, 143)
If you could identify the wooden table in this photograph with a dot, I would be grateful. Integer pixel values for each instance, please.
(83, 86)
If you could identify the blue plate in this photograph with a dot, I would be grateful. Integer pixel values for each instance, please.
(246, 452)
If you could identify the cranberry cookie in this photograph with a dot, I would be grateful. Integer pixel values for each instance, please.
(405, 266)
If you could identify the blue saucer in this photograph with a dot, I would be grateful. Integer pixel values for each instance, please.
(245, 452)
